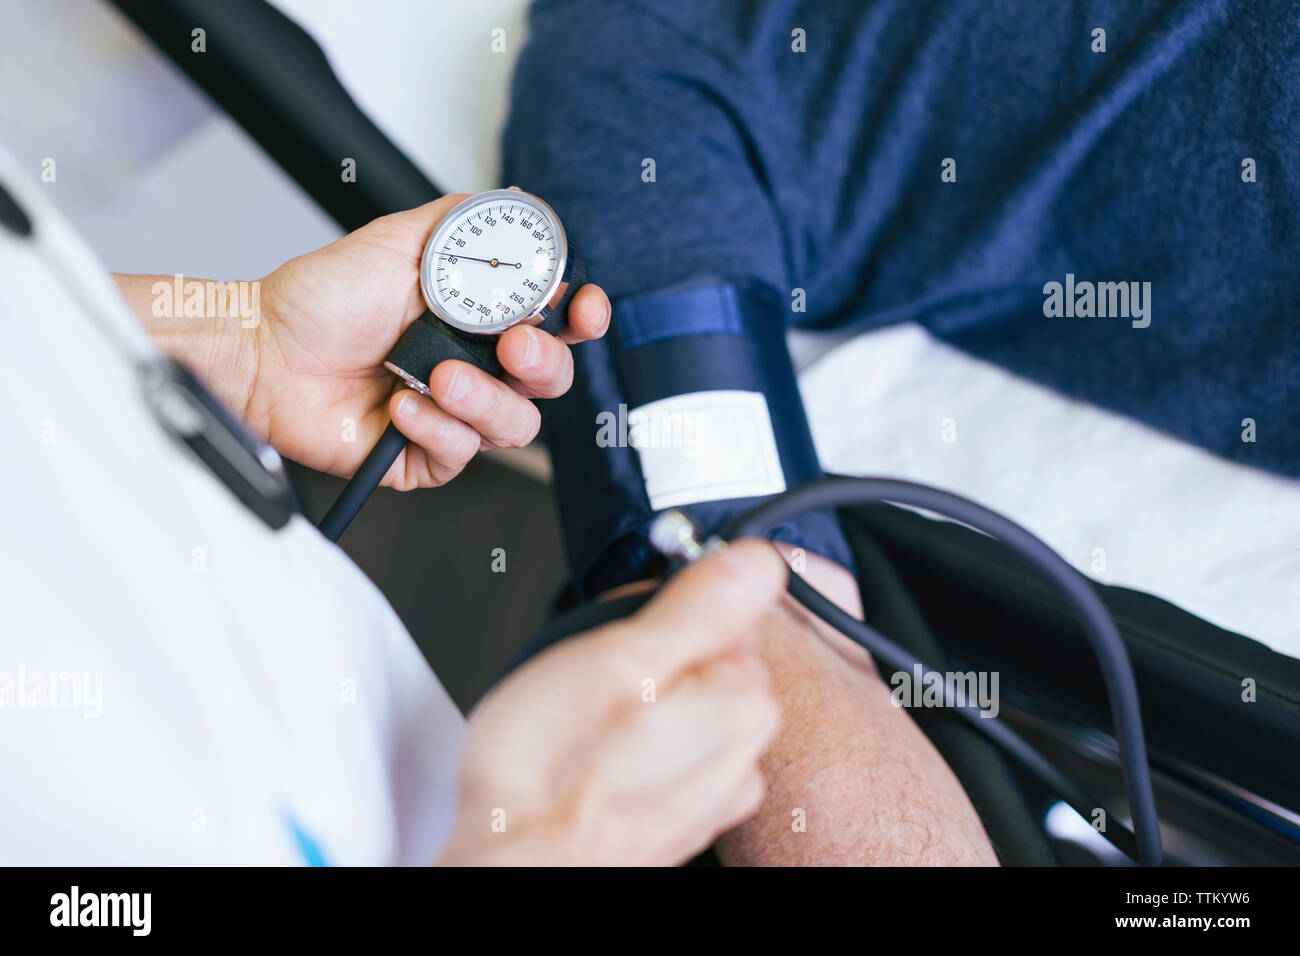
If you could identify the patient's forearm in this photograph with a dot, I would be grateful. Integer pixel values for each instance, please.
(851, 778)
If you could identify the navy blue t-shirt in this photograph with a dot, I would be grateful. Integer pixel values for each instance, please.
(943, 162)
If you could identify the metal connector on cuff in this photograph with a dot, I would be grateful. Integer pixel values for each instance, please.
(674, 535)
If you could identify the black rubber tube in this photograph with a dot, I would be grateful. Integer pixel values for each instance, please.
(366, 480)
(887, 652)
(1112, 656)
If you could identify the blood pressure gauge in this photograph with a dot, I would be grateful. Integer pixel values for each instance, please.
(494, 261)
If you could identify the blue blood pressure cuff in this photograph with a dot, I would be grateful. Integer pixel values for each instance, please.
(689, 402)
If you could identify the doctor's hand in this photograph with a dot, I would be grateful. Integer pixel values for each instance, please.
(633, 744)
(331, 317)
(309, 376)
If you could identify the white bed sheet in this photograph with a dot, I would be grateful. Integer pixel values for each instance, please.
(1218, 539)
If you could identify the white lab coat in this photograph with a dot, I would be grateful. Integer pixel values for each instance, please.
(179, 683)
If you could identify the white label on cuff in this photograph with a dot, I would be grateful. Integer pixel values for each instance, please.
(706, 446)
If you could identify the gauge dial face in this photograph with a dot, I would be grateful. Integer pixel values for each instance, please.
(494, 260)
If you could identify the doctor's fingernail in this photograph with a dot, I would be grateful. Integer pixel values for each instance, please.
(407, 406)
(458, 385)
(530, 348)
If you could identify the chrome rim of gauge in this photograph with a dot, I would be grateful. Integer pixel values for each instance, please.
(494, 261)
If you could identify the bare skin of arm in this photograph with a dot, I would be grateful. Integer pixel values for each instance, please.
(871, 787)
(851, 780)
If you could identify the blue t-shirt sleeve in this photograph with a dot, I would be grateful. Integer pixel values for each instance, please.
(654, 196)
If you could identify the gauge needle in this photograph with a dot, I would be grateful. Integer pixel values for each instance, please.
(492, 262)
